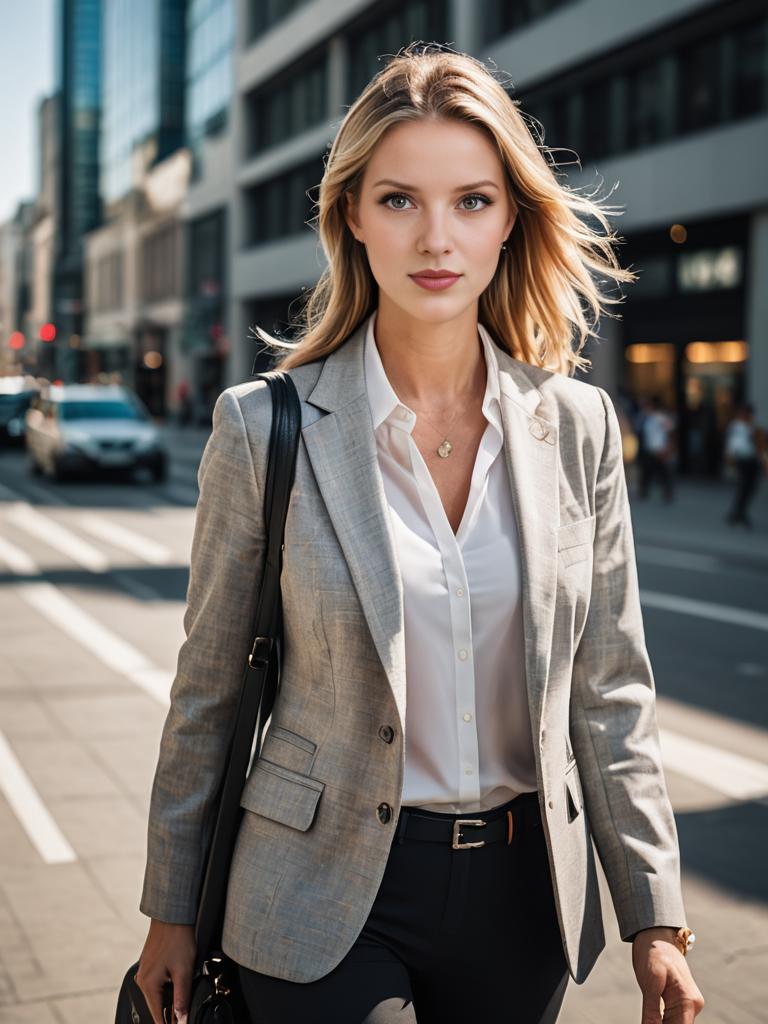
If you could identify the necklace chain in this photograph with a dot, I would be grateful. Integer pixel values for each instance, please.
(446, 447)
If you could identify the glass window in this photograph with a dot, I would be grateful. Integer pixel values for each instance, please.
(699, 79)
(596, 122)
(749, 81)
(644, 105)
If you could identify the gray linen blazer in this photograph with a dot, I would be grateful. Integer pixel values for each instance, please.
(312, 848)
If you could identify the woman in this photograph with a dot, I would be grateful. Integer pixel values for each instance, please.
(466, 698)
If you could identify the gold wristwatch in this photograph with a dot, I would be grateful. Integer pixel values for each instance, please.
(684, 940)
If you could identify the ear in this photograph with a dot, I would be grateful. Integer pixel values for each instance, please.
(350, 212)
(512, 219)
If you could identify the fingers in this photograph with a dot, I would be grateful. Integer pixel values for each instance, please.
(151, 987)
(651, 1012)
(182, 985)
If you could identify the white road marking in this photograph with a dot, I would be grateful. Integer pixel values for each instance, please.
(25, 517)
(109, 648)
(32, 814)
(705, 609)
(738, 777)
(122, 537)
(17, 560)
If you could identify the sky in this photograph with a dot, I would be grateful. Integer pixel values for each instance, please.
(26, 75)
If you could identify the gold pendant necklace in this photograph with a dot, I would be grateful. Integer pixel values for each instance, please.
(445, 448)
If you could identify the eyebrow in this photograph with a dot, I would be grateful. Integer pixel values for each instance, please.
(413, 188)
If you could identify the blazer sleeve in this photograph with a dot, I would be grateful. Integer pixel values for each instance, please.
(613, 719)
(225, 574)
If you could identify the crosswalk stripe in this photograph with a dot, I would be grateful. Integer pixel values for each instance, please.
(122, 537)
(27, 519)
(705, 609)
(32, 814)
(109, 648)
(733, 775)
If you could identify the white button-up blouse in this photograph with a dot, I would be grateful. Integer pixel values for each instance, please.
(468, 742)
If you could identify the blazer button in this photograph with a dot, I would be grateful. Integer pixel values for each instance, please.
(384, 811)
(387, 733)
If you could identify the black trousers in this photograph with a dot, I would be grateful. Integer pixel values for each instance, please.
(463, 936)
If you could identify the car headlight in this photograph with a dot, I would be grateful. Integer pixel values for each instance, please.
(75, 439)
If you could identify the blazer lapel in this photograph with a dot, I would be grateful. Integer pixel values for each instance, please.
(532, 457)
(342, 449)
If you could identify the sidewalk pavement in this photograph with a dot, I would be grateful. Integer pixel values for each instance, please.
(695, 520)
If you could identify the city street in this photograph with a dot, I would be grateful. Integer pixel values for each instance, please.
(94, 576)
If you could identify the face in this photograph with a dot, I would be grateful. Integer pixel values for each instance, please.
(430, 220)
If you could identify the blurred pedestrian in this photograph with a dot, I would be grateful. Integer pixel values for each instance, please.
(746, 449)
(183, 401)
(657, 449)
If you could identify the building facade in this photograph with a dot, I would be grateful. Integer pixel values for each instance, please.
(77, 204)
(670, 102)
(206, 342)
(136, 256)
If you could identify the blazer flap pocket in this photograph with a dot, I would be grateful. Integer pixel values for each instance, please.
(281, 794)
(570, 535)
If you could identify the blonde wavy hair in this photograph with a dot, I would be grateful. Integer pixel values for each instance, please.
(544, 286)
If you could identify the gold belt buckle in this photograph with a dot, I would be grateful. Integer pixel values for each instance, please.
(456, 845)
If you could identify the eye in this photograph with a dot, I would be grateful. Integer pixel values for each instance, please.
(401, 195)
(483, 199)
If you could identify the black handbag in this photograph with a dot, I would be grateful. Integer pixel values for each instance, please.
(216, 996)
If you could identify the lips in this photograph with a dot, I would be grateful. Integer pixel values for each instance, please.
(435, 274)
(435, 282)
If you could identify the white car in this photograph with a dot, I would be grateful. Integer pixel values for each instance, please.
(75, 427)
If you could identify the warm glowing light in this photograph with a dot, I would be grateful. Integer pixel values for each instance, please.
(717, 351)
(153, 360)
(678, 233)
(16, 340)
(641, 353)
(47, 332)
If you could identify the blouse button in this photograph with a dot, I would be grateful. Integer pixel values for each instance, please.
(463, 654)
(460, 591)
(467, 717)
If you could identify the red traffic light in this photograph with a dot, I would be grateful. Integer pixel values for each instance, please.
(16, 340)
(47, 332)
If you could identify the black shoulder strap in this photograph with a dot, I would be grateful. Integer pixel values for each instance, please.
(261, 674)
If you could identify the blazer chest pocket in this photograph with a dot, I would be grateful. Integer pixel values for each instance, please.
(281, 794)
(289, 749)
(574, 541)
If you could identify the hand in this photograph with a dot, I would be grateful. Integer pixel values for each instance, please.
(169, 951)
(662, 973)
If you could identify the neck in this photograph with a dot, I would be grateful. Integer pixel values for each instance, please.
(431, 365)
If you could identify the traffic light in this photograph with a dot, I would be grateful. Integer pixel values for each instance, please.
(47, 332)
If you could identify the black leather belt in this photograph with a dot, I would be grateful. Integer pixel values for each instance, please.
(470, 831)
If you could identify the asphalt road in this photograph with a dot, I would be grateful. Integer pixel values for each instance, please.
(93, 580)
